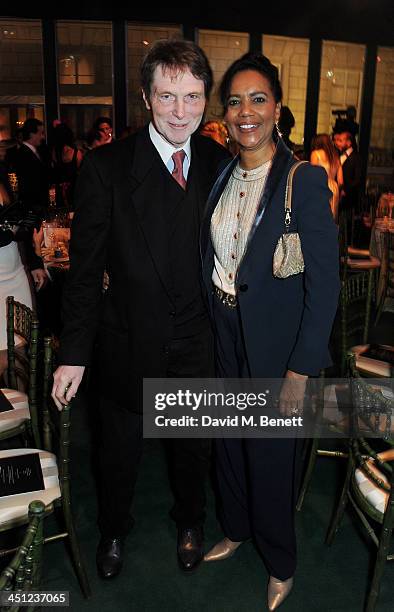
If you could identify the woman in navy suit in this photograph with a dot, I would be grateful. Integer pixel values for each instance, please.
(266, 327)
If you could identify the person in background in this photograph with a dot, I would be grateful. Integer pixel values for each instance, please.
(5, 189)
(33, 172)
(353, 126)
(351, 169)
(346, 122)
(265, 327)
(16, 253)
(286, 124)
(104, 125)
(325, 155)
(10, 157)
(66, 160)
(96, 138)
(216, 130)
(139, 205)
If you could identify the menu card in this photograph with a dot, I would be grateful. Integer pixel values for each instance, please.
(21, 474)
(5, 404)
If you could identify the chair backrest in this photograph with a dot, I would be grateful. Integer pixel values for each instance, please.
(373, 418)
(24, 571)
(373, 404)
(20, 321)
(387, 290)
(356, 302)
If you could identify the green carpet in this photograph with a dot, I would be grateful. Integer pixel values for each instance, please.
(327, 580)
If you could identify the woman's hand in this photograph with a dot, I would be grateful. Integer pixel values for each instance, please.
(291, 398)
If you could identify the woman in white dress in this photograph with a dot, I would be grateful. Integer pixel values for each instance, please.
(13, 277)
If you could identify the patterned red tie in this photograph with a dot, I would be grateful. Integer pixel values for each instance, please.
(177, 172)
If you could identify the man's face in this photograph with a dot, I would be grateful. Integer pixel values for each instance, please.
(342, 141)
(38, 137)
(177, 103)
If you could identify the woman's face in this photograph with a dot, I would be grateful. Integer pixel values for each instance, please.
(251, 110)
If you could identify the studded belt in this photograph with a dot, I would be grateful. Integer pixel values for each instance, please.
(226, 298)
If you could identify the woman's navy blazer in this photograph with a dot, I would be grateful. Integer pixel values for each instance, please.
(286, 322)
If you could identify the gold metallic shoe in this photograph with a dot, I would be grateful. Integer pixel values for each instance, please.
(222, 550)
(278, 590)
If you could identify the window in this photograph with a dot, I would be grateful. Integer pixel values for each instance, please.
(21, 74)
(381, 151)
(341, 80)
(221, 48)
(76, 70)
(84, 72)
(290, 56)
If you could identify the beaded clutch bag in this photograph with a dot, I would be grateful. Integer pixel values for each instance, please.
(288, 258)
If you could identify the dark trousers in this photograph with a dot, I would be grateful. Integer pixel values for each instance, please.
(121, 449)
(255, 477)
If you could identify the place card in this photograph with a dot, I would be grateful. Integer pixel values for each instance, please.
(5, 404)
(21, 474)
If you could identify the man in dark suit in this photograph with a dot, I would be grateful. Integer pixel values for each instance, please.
(32, 169)
(351, 167)
(139, 205)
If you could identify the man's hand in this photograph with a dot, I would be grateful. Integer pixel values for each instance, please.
(40, 278)
(105, 281)
(291, 399)
(66, 382)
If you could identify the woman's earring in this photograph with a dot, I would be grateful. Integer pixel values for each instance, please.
(277, 129)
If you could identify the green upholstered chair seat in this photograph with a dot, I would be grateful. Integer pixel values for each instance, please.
(372, 493)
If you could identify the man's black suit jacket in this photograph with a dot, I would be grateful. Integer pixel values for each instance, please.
(33, 179)
(351, 168)
(119, 225)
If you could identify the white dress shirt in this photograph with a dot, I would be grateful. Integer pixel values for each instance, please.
(166, 150)
(345, 155)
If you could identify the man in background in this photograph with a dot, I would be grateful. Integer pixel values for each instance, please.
(351, 167)
(32, 168)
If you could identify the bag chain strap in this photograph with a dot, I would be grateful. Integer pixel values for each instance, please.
(288, 194)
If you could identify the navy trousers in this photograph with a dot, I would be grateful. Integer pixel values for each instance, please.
(255, 477)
